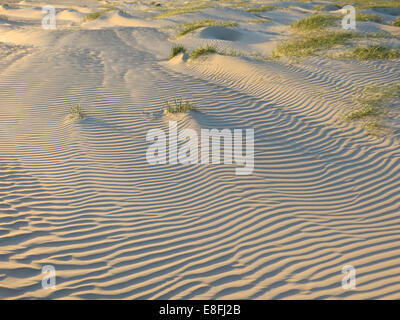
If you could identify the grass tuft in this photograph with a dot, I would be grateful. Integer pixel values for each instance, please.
(76, 112)
(371, 103)
(188, 8)
(309, 44)
(202, 51)
(370, 4)
(177, 49)
(156, 4)
(191, 26)
(315, 22)
(179, 106)
(94, 15)
(262, 9)
(369, 17)
(373, 52)
(326, 7)
(261, 20)
(396, 22)
(362, 112)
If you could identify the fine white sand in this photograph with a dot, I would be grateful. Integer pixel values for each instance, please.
(80, 195)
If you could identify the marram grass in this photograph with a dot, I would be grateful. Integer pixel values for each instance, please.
(177, 49)
(374, 52)
(309, 44)
(76, 112)
(262, 9)
(371, 104)
(179, 106)
(369, 17)
(315, 22)
(202, 51)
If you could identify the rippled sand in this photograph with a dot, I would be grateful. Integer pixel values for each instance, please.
(80, 195)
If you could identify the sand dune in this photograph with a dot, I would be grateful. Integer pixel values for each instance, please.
(80, 195)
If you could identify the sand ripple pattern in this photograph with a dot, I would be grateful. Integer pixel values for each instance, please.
(80, 195)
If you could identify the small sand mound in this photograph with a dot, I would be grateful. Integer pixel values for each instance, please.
(184, 120)
(329, 7)
(70, 15)
(220, 33)
(178, 59)
(114, 19)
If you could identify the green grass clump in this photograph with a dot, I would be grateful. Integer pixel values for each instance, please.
(261, 20)
(371, 103)
(369, 17)
(156, 4)
(239, 4)
(94, 15)
(362, 112)
(261, 9)
(124, 13)
(373, 52)
(396, 22)
(377, 94)
(76, 112)
(202, 51)
(369, 4)
(191, 26)
(179, 106)
(324, 7)
(175, 50)
(309, 44)
(181, 10)
(315, 22)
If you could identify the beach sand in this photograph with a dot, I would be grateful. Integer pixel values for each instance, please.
(81, 196)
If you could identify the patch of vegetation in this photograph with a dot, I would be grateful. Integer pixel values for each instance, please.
(309, 44)
(379, 35)
(240, 4)
(191, 26)
(124, 13)
(175, 50)
(362, 112)
(231, 53)
(76, 112)
(111, 4)
(315, 22)
(156, 4)
(94, 15)
(262, 9)
(369, 4)
(3, 17)
(179, 106)
(369, 17)
(396, 22)
(326, 7)
(202, 51)
(187, 8)
(261, 20)
(373, 52)
(371, 104)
